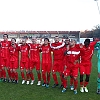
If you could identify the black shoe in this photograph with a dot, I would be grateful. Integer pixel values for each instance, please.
(4, 80)
(13, 81)
(16, 81)
(43, 85)
(55, 85)
(47, 85)
(98, 91)
(9, 80)
(61, 86)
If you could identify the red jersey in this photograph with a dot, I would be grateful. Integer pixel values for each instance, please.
(14, 53)
(86, 53)
(77, 46)
(24, 49)
(65, 56)
(58, 53)
(34, 52)
(5, 49)
(72, 56)
(46, 54)
(65, 49)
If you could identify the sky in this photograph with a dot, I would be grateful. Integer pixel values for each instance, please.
(48, 15)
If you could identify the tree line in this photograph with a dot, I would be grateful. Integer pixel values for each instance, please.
(94, 33)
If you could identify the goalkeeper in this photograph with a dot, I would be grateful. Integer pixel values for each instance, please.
(98, 79)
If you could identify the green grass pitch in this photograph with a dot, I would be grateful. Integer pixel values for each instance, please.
(11, 91)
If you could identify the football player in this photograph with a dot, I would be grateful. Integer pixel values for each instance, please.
(86, 54)
(14, 55)
(5, 44)
(35, 60)
(72, 65)
(98, 79)
(46, 62)
(58, 57)
(24, 61)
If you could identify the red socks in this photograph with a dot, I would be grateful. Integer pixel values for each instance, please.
(28, 75)
(85, 83)
(64, 83)
(48, 78)
(23, 76)
(9, 73)
(16, 76)
(71, 81)
(55, 78)
(75, 84)
(61, 78)
(31, 75)
(81, 84)
(12, 75)
(44, 77)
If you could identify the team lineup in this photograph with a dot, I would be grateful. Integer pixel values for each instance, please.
(68, 59)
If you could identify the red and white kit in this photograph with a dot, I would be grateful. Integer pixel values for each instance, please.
(58, 55)
(46, 58)
(5, 53)
(14, 59)
(5, 58)
(86, 56)
(14, 54)
(35, 56)
(35, 60)
(72, 66)
(46, 63)
(24, 61)
(58, 64)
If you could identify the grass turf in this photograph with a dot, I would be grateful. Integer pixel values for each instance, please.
(11, 91)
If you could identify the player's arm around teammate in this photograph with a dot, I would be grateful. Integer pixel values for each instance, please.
(86, 54)
(24, 61)
(72, 66)
(58, 57)
(14, 55)
(67, 41)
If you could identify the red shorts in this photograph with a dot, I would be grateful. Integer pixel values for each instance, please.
(85, 68)
(13, 64)
(71, 72)
(24, 65)
(33, 64)
(46, 67)
(58, 66)
(4, 62)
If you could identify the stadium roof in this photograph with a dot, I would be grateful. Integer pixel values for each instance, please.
(40, 32)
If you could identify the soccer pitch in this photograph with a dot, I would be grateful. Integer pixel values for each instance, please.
(11, 91)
